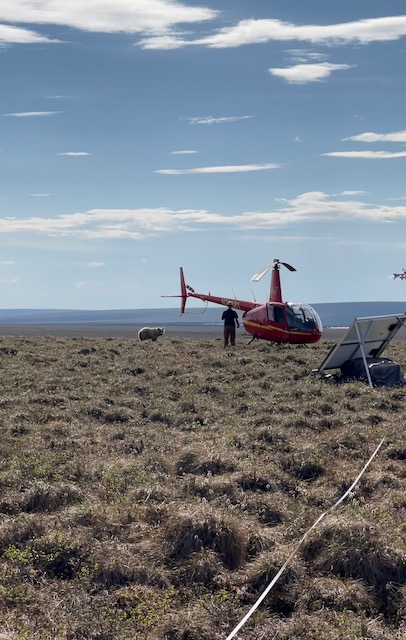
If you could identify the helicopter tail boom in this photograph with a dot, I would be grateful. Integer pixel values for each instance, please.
(188, 292)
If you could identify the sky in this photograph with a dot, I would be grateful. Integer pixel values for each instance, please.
(138, 136)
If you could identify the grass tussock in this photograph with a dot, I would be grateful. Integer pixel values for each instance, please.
(193, 533)
(152, 491)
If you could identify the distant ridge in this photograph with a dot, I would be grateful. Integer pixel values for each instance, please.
(341, 314)
(336, 314)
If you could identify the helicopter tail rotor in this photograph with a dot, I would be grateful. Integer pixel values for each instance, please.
(183, 292)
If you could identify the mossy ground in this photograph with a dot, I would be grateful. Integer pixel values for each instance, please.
(152, 490)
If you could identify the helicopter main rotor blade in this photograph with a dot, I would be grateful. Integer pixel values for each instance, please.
(261, 273)
(288, 266)
(275, 264)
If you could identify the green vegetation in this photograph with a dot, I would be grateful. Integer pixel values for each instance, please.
(153, 490)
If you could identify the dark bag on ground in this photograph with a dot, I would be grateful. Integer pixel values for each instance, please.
(383, 372)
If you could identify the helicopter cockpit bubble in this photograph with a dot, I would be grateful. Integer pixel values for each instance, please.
(302, 316)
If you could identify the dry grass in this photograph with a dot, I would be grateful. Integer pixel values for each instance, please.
(153, 491)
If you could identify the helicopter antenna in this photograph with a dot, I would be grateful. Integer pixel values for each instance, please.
(253, 295)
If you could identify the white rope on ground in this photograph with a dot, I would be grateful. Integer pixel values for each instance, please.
(282, 569)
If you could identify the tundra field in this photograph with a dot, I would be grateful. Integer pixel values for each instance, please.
(152, 490)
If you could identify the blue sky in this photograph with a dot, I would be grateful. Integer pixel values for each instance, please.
(137, 136)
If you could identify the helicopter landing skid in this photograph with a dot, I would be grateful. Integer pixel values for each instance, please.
(273, 343)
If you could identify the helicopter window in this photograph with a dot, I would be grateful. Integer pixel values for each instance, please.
(278, 313)
(275, 314)
(295, 320)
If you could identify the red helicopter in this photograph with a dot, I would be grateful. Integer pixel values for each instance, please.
(276, 321)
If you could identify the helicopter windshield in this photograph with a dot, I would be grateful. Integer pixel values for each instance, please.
(302, 317)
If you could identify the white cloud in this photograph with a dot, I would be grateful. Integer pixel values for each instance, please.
(222, 169)
(31, 114)
(211, 120)
(74, 153)
(183, 152)
(137, 224)
(162, 43)
(368, 155)
(95, 265)
(6, 262)
(353, 193)
(60, 97)
(316, 205)
(10, 280)
(301, 56)
(106, 16)
(255, 31)
(39, 195)
(15, 35)
(158, 21)
(303, 73)
(369, 136)
(260, 31)
(80, 284)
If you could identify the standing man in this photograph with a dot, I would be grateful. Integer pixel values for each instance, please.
(230, 318)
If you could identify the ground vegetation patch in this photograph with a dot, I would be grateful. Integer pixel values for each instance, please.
(152, 491)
